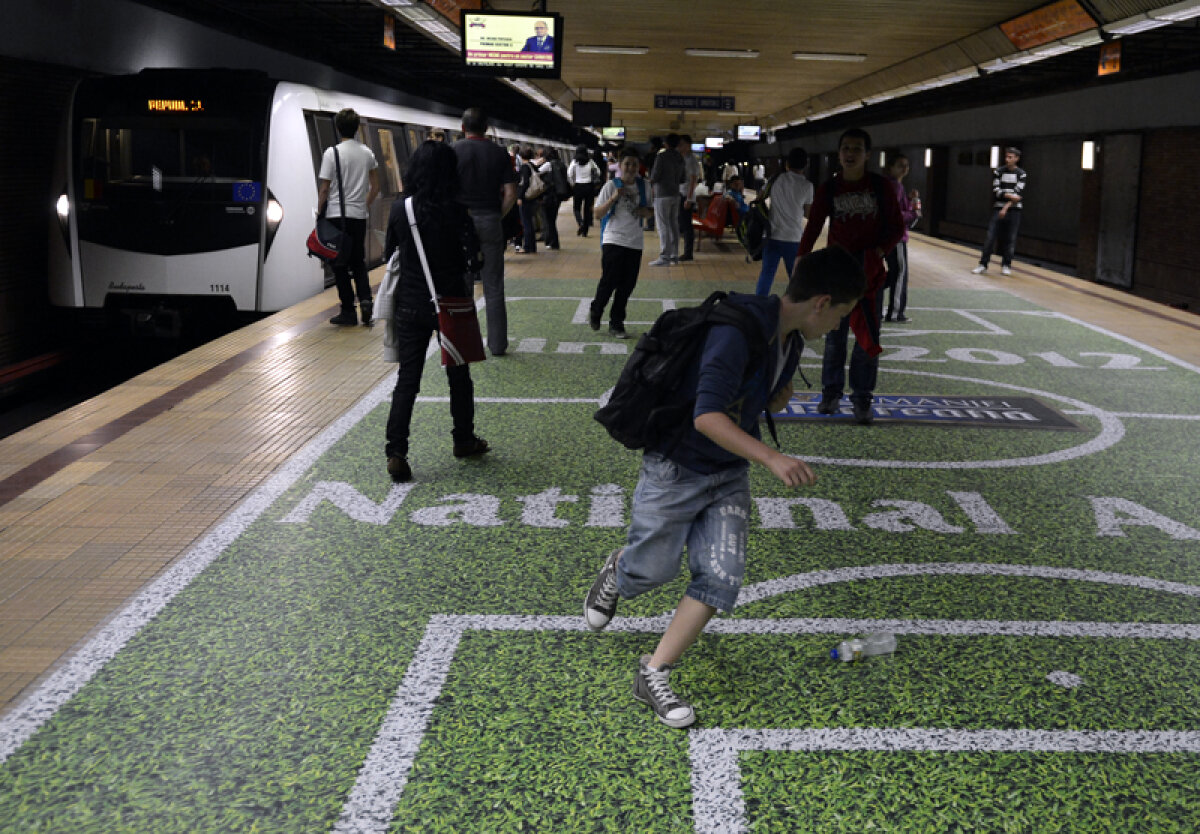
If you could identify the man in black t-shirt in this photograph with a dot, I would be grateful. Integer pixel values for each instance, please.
(487, 186)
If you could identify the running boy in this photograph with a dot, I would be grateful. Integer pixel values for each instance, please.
(624, 203)
(695, 490)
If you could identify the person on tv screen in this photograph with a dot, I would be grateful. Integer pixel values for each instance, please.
(542, 41)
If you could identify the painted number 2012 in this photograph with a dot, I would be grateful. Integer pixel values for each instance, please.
(985, 356)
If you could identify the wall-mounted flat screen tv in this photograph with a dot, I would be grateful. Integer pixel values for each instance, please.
(512, 44)
(612, 132)
(749, 133)
(714, 142)
(697, 147)
(591, 113)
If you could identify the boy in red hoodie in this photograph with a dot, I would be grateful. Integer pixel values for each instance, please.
(864, 219)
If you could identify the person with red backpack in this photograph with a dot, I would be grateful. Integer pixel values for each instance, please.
(864, 218)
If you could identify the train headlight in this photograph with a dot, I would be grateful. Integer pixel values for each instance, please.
(274, 218)
(63, 207)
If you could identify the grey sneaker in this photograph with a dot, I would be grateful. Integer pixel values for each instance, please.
(653, 688)
(601, 602)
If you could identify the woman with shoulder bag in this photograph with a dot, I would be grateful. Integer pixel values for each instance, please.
(585, 179)
(452, 250)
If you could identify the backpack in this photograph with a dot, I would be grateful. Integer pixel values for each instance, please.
(558, 173)
(645, 406)
(642, 203)
(755, 225)
(537, 186)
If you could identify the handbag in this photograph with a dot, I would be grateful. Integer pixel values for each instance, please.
(537, 186)
(327, 241)
(457, 318)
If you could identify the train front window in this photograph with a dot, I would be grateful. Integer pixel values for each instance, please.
(140, 151)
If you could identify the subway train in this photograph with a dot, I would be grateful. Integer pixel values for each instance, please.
(190, 193)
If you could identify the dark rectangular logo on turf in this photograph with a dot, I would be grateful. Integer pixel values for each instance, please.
(990, 412)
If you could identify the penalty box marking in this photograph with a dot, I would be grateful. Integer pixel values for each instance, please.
(718, 806)
(380, 783)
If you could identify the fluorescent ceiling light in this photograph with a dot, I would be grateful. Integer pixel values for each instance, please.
(623, 110)
(721, 53)
(828, 56)
(1135, 24)
(613, 50)
(1178, 11)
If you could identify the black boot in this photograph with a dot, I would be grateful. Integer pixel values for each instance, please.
(367, 308)
(346, 318)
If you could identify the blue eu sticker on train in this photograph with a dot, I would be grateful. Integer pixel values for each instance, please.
(247, 192)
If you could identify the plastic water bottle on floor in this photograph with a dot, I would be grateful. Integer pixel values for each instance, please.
(860, 647)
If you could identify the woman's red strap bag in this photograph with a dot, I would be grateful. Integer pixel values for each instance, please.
(457, 318)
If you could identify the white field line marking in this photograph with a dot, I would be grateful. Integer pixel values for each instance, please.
(718, 806)
(1140, 415)
(380, 783)
(36, 708)
(1187, 366)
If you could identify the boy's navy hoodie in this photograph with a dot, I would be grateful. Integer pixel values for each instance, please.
(721, 381)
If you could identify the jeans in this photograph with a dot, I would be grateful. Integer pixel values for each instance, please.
(666, 217)
(413, 330)
(773, 252)
(1002, 230)
(491, 241)
(863, 368)
(619, 267)
(673, 507)
(529, 208)
(550, 204)
(897, 279)
(582, 201)
(354, 267)
(686, 231)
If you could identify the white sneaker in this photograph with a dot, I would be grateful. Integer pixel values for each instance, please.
(979, 270)
(660, 262)
(1005, 271)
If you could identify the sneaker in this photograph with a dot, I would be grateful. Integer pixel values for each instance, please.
(346, 318)
(979, 270)
(600, 604)
(684, 258)
(829, 403)
(594, 322)
(660, 262)
(1004, 270)
(902, 318)
(399, 469)
(862, 412)
(469, 448)
(653, 687)
(618, 333)
(888, 317)
(368, 310)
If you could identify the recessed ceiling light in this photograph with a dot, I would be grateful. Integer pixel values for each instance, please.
(613, 50)
(828, 56)
(721, 53)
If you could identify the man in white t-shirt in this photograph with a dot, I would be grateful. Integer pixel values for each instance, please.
(360, 180)
(790, 196)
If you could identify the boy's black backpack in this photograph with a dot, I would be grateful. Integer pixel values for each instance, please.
(755, 227)
(645, 407)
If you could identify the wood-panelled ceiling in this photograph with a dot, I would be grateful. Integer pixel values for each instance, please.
(905, 42)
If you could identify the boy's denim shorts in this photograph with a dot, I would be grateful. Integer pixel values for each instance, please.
(673, 507)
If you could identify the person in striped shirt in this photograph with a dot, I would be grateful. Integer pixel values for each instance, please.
(1008, 189)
